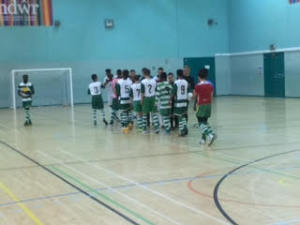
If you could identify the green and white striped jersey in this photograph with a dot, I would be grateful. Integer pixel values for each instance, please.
(163, 95)
(26, 91)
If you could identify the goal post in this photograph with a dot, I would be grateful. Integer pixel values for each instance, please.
(53, 86)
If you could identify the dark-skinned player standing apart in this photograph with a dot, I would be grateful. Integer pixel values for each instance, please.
(26, 91)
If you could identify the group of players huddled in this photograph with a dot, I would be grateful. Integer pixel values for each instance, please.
(147, 97)
(132, 97)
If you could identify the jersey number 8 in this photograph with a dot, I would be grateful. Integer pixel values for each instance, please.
(182, 90)
(150, 88)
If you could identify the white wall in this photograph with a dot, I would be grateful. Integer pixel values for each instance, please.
(223, 75)
(292, 74)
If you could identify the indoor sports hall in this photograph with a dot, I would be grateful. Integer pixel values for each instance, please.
(149, 112)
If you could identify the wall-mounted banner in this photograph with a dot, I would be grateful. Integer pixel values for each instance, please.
(294, 1)
(26, 13)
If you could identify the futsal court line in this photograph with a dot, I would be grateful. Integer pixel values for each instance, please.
(124, 178)
(271, 171)
(288, 222)
(188, 152)
(108, 199)
(192, 146)
(109, 188)
(261, 169)
(27, 211)
(291, 168)
(169, 154)
(108, 207)
(228, 174)
(203, 194)
(254, 198)
(239, 161)
(120, 187)
(190, 137)
(130, 158)
(129, 186)
(200, 212)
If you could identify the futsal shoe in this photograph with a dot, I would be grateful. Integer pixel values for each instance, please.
(156, 130)
(29, 123)
(130, 127)
(105, 122)
(140, 130)
(182, 134)
(26, 124)
(125, 130)
(211, 139)
(186, 131)
(145, 132)
(202, 142)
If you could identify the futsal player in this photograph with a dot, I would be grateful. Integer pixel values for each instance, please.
(181, 92)
(204, 92)
(123, 93)
(97, 100)
(174, 119)
(148, 101)
(163, 96)
(136, 96)
(115, 101)
(26, 91)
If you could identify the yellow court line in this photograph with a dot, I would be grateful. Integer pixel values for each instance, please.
(21, 205)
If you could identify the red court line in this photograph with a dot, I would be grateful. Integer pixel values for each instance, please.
(195, 191)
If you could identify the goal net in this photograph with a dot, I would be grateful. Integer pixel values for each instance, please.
(52, 86)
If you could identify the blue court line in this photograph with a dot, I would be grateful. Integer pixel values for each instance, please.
(289, 222)
(129, 186)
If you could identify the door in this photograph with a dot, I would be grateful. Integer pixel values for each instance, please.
(274, 74)
(196, 64)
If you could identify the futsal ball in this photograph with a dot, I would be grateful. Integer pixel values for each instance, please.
(25, 90)
(190, 96)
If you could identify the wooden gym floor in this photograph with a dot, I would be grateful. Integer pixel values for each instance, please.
(64, 171)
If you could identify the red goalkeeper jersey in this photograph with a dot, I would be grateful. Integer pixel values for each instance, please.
(204, 90)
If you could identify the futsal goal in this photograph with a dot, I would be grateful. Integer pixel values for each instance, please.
(53, 86)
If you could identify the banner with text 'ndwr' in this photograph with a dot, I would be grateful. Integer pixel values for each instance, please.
(26, 13)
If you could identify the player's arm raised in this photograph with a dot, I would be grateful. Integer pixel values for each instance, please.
(107, 80)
